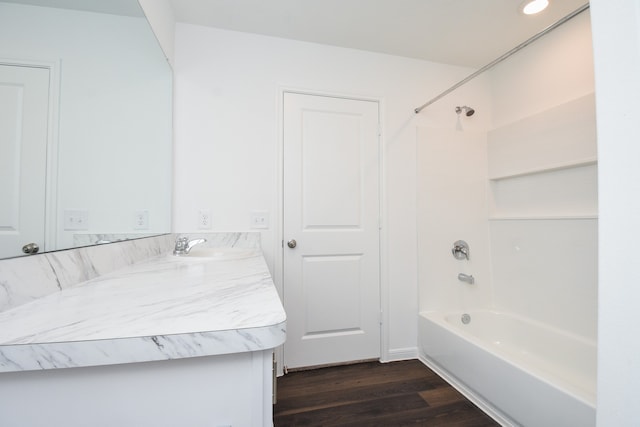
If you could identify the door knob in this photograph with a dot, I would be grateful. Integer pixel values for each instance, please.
(30, 248)
(292, 243)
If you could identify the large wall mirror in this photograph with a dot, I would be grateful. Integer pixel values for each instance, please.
(85, 125)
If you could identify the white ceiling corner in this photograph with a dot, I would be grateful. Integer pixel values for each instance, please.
(459, 32)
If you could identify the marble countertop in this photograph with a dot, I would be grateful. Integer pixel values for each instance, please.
(213, 301)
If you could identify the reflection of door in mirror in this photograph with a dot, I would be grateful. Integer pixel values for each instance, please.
(24, 112)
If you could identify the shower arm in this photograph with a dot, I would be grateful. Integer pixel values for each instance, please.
(504, 56)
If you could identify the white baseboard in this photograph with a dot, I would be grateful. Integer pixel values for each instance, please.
(397, 354)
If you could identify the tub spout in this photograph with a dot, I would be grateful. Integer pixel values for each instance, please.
(466, 278)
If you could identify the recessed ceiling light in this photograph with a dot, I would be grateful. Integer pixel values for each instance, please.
(531, 7)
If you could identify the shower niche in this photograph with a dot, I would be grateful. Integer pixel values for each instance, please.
(545, 166)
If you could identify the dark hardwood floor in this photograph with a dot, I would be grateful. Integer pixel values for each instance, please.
(373, 394)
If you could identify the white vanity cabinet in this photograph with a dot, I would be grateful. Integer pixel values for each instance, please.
(225, 390)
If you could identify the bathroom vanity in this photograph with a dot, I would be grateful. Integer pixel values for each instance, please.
(162, 341)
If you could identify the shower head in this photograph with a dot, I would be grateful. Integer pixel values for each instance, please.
(468, 111)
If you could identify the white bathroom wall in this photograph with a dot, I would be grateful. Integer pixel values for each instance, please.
(228, 145)
(616, 39)
(555, 69)
(543, 189)
(110, 144)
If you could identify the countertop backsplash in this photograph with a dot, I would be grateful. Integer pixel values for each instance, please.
(28, 278)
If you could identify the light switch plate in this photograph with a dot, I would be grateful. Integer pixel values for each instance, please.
(259, 219)
(76, 219)
(204, 219)
(141, 220)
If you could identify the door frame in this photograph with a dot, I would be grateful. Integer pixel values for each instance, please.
(51, 176)
(278, 274)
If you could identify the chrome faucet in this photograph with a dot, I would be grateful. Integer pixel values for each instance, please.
(184, 245)
(466, 278)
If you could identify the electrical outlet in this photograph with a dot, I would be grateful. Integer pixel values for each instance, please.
(76, 219)
(259, 219)
(204, 219)
(141, 220)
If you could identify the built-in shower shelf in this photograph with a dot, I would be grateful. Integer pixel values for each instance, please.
(540, 217)
(548, 168)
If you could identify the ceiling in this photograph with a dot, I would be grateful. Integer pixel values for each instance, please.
(460, 32)
(114, 7)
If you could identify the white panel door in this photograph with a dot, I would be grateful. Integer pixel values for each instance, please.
(24, 111)
(331, 209)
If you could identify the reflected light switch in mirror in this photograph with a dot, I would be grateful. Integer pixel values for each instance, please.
(76, 219)
(141, 220)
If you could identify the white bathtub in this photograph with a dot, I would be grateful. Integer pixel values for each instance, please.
(519, 371)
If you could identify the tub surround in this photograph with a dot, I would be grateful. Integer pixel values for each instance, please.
(543, 216)
(530, 198)
(164, 307)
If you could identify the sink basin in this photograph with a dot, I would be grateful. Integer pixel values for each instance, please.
(217, 254)
(204, 252)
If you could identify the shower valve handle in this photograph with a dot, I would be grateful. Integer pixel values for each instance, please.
(460, 250)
